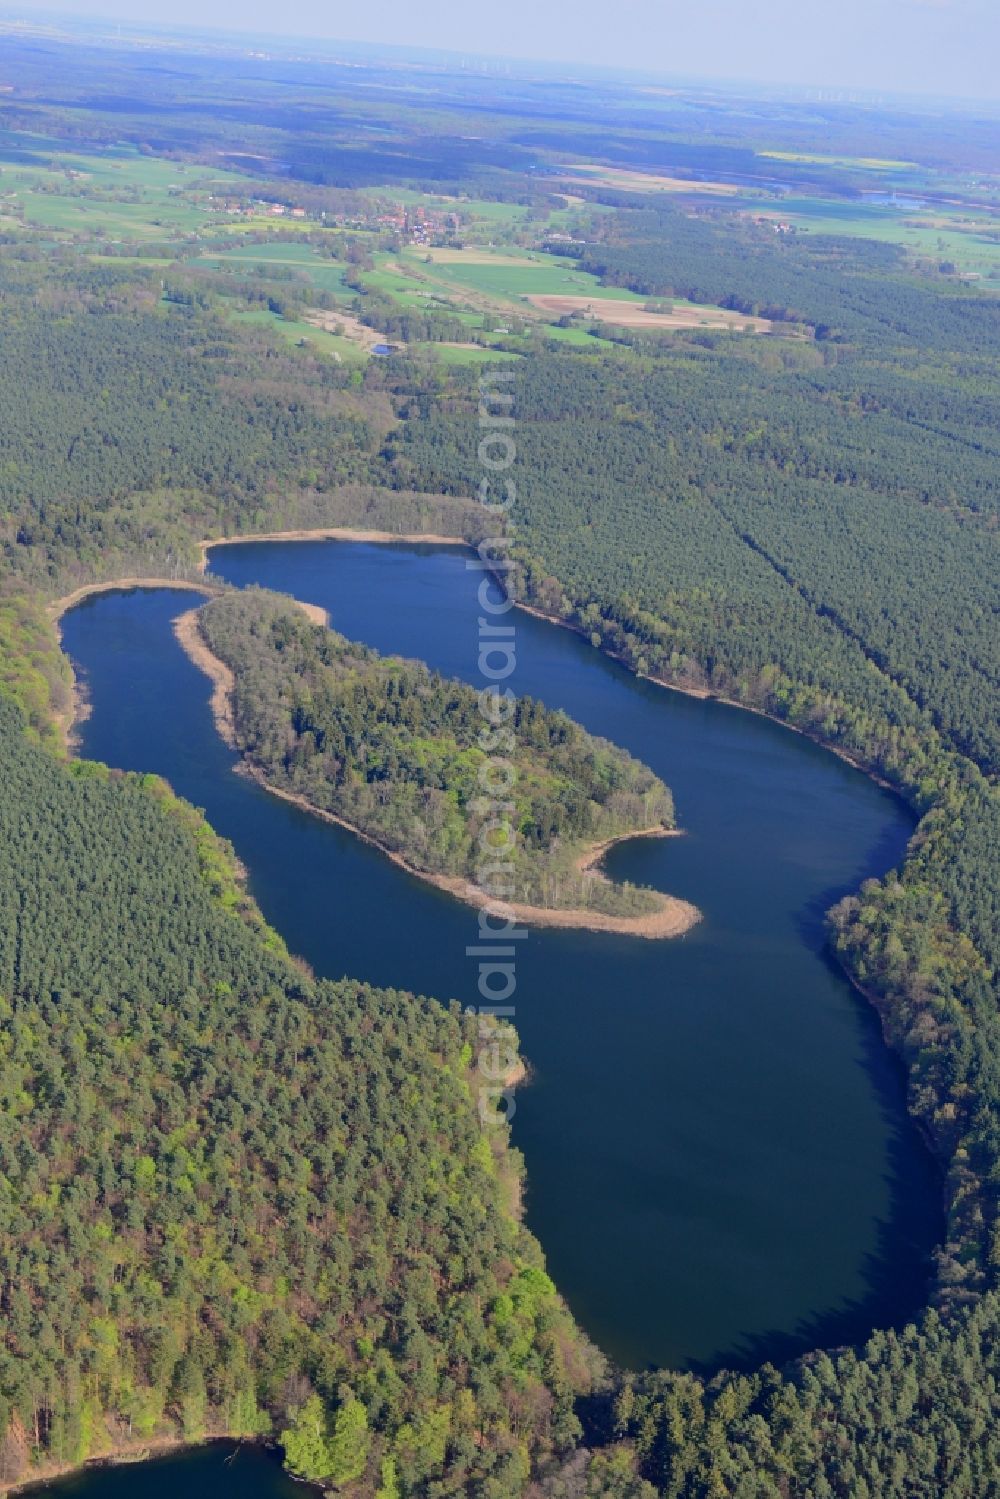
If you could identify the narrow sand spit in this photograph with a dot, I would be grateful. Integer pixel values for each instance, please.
(192, 643)
(589, 860)
(223, 682)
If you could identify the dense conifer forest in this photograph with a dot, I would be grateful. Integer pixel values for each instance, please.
(813, 532)
(675, 578)
(237, 1199)
(228, 1189)
(136, 423)
(847, 291)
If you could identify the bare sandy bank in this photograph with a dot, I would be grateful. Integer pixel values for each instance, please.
(588, 861)
(706, 694)
(135, 1450)
(314, 613)
(328, 533)
(673, 919)
(58, 607)
(192, 643)
(190, 639)
(78, 708)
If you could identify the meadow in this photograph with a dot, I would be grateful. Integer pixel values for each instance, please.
(116, 193)
(297, 331)
(299, 257)
(931, 232)
(514, 277)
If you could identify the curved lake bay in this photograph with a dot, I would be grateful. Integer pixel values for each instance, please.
(720, 1165)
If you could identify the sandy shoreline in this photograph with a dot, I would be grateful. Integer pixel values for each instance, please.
(673, 919)
(707, 695)
(128, 1454)
(58, 607)
(329, 533)
(189, 638)
(314, 613)
(588, 861)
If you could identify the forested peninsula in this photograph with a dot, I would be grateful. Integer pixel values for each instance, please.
(402, 756)
(233, 1198)
(696, 575)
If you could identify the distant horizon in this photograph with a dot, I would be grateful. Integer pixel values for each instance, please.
(246, 22)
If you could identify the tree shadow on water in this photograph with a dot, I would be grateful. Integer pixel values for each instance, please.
(897, 1271)
(886, 851)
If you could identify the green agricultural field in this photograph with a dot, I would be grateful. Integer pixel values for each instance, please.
(926, 233)
(136, 260)
(76, 214)
(504, 277)
(577, 337)
(296, 331)
(568, 218)
(453, 354)
(411, 285)
(232, 228)
(862, 163)
(483, 209)
(116, 193)
(472, 284)
(325, 274)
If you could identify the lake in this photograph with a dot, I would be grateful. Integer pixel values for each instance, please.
(217, 1470)
(720, 1165)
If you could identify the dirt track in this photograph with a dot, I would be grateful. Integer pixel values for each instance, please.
(348, 325)
(636, 315)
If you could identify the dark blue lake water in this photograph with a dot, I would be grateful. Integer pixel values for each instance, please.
(720, 1165)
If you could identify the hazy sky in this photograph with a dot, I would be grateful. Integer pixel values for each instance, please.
(923, 46)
